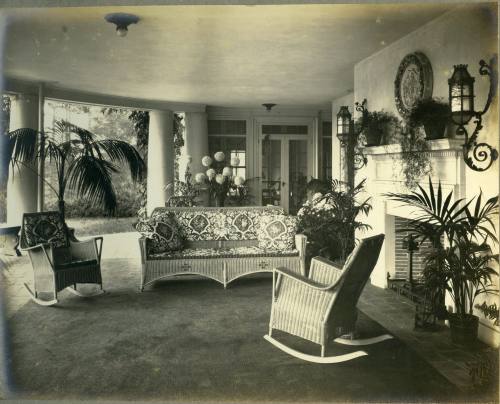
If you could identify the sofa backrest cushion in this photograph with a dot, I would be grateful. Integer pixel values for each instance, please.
(226, 224)
(164, 234)
(277, 232)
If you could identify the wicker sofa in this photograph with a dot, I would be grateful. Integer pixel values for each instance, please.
(221, 244)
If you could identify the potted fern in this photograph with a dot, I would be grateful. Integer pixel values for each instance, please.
(379, 127)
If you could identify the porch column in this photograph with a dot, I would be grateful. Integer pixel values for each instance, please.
(196, 141)
(22, 187)
(160, 158)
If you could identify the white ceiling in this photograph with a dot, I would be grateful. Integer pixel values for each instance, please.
(241, 56)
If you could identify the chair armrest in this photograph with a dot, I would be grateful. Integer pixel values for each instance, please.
(142, 246)
(41, 255)
(324, 271)
(303, 280)
(300, 243)
(87, 249)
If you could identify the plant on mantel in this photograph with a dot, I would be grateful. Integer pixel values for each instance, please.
(379, 127)
(415, 156)
(462, 262)
(432, 114)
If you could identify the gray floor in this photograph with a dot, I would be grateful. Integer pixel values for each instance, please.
(394, 313)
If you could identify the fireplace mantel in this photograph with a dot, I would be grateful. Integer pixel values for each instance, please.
(434, 146)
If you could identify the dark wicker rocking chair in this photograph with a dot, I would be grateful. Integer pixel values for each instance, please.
(59, 261)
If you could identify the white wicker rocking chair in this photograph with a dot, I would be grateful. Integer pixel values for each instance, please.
(323, 306)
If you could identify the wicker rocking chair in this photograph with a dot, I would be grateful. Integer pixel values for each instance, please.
(323, 306)
(59, 260)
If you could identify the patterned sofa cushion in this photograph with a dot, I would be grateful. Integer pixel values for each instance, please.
(235, 252)
(200, 224)
(277, 232)
(164, 233)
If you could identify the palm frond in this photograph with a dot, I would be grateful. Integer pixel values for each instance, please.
(90, 177)
(25, 146)
(122, 152)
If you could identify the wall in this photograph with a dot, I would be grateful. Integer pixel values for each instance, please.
(464, 35)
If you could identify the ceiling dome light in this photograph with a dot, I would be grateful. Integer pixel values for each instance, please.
(122, 21)
(268, 106)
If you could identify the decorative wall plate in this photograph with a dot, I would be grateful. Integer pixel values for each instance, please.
(413, 82)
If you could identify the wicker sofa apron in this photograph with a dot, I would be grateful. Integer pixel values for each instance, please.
(221, 244)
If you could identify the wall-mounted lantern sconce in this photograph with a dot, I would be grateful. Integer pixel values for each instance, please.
(477, 156)
(348, 135)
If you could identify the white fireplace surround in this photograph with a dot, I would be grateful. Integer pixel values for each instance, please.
(383, 174)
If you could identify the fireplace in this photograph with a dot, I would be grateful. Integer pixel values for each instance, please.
(383, 174)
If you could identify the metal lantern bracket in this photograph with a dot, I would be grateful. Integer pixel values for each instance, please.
(480, 156)
(360, 159)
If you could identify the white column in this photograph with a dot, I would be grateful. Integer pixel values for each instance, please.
(196, 141)
(22, 188)
(160, 158)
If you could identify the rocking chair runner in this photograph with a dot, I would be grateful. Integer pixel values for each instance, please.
(58, 259)
(323, 305)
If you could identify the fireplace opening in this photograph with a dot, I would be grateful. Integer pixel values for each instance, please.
(407, 280)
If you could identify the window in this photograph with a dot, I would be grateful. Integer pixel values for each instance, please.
(326, 151)
(232, 146)
(229, 136)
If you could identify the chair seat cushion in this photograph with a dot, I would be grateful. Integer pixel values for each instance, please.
(75, 264)
(235, 252)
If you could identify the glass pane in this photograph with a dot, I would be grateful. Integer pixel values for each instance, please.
(271, 172)
(297, 174)
(232, 147)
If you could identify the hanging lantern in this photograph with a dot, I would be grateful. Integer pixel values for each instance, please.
(461, 95)
(343, 124)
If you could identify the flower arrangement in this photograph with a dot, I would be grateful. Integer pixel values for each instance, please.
(219, 177)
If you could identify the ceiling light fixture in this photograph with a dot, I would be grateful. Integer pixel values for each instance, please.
(122, 21)
(269, 106)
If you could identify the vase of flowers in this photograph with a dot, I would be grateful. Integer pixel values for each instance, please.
(219, 177)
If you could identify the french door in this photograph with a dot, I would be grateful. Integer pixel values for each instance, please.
(284, 170)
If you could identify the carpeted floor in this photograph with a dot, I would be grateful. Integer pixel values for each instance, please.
(190, 340)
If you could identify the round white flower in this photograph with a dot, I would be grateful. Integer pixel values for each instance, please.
(219, 178)
(200, 178)
(317, 196)
(206, 161)
(227, 171)
(210, 173)
(235, 161)
(219, 156)
(238, 180)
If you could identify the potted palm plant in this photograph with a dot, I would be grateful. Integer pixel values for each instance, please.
(331, 218)
(83, 162)
(433, 114)
(461, 262)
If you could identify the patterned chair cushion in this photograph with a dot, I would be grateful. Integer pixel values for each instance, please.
(277, 232)
(164, 234)
(235, 252)
(44, 227)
